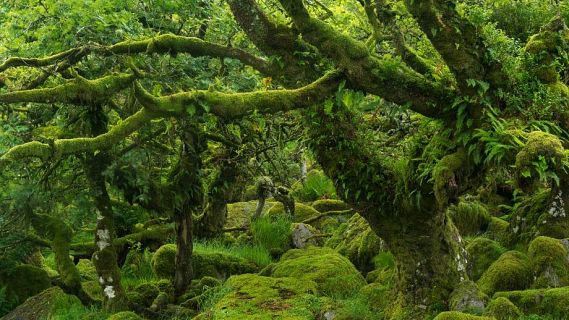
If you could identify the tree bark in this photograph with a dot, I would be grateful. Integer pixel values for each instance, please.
(184, 250)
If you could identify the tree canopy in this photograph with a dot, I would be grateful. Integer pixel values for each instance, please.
(429, 117)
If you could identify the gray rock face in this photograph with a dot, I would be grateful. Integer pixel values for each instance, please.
(302, 235)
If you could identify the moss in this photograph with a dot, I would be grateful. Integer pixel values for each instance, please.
(444, 176)
(145, 293)
(455, 315)
(325, 205)
(199, 286)
(470, 217)
(87, 270)
(357, 241)
(502, 309)
(42, 305)
(468, 298)
(552, 302)
(164, 261)
(256, 297)
(546, 47)
(538, 144)
(125, 315)
(334, 274)
(239, 214)
(301, 211)
(377, 295)
(220, 265)
(498, 229)
(215, 264)
(482, 252)
(512, 271)
(93, 290)
(550, 263)
(25, 281)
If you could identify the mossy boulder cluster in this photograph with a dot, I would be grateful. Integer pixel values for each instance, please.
(24, 281)
(41, 306)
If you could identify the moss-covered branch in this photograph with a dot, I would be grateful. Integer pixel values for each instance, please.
(62, 147)
(167, 43)
(457, 41)
(384, 77)
(76, 91)
(233, 105)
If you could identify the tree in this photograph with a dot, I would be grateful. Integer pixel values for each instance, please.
(477, 98)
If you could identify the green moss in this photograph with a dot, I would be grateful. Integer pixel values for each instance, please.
(42, 305)
(325, 205)
(511, 271)
(455, 315)
(550, 264)
(25, 281)
(256, 297)
(93, 290)
(301, 211)
(468, 298)
(144, 293)
(164, 261)
(125, 315)
(444, 175)
(551, 302)
(334, 274)
(470, 217)
(199, 286)
(498, 229)
(502, 309)
(482, 252)
(377, 295)
(357, 241)
(239, 214)
(87, 270)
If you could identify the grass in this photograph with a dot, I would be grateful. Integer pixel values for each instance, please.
(272, 232)
(66, 307)
(137, 268)
(257, 254)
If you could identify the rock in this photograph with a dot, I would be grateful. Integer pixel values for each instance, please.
(549, 302)
(40, 306)
(468, 298)
(334, 274)
(215, 264)
(549, 261)
(455, 315)
(87, 270)
(512, 271)
(357, 241)
(125, 315)
(325, 205)
(159, 302)
(502, 309)
(301, 211)
(239, 213)
(93, 289)
(303, 235)
(251, 296)
(482, 252)
(25, 281)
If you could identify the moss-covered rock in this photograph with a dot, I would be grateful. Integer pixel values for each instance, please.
(502, 309)
(482, 252)
(93, 289)
(164, 261)
(455, 315)
(325, 205)
(468, 298)
(302, 212)
(250, 296)
(87, 269)
(24, 281)
(199, 286)
(512, 271)
(333, 273)
(220, 265)
(125, 315)
(552, 302)
(377, 295)
(239, 213)
(357, 241)
(470, 217)
(498, 230)
(144, 293)
(550, 262)
(40, 306)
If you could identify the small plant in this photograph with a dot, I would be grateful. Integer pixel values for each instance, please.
(272, 232)
(316, 186)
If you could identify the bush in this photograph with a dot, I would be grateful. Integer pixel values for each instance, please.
(316, 186)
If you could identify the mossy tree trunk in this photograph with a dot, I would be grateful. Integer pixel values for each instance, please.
(425, 243)
(60, 234)
(187, 194)
(105, 258)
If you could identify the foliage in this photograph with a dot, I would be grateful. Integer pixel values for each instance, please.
(272, 232)
(315, 186)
